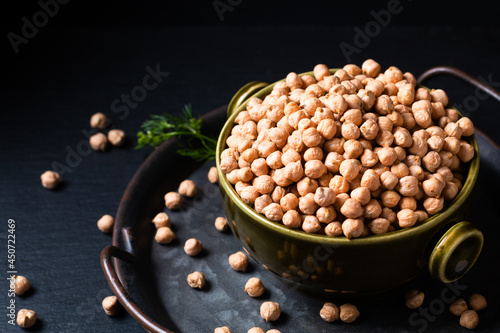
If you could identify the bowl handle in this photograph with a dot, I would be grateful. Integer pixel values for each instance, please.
(243, 94)
(455, 252)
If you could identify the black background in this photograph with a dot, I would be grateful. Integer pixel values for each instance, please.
(92, 52)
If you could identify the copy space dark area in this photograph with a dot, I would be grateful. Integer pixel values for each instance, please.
(86, 56)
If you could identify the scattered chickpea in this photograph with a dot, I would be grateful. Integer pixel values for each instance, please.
(329, 312)
(273, 331)
(254, 287)
(106, 223)
(173, 200)
(469, 319)
(256, 330)
(238, 261)
(196, 280)
(348, 313)
(50, 179)
(221, 224)
(111, 305)
(116, 137)
(161, 220)
(26, 318)
(223, 329)
(22, 284)
(414, 299)
(187, 188)
(192, 247)
(270, 311)
(99, 120)
(164, 235)
(458, 307)
(477, 302)
(98, 141)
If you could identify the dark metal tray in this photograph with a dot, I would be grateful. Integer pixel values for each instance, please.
(150, 279)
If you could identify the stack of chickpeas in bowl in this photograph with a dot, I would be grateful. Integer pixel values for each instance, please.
(354, 153)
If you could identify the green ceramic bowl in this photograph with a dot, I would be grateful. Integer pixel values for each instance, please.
(444, 245)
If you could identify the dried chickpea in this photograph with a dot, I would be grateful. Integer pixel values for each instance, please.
(161, 220)
(438, 95)
(414, 299)
(99, 120)
(372, 209)
(390, 198)
(256, 330)
(278, 193)
(289, 202)
(270, 311)
(324, 196)
(259, 167)
(238, 261)
(196, 280)
(379, 226)
(315, 169)
(329, 312)
(469, 319)
(254, 287)
(228, 164)
(433, 205)
(458, 307)
(349, 169)
(292, 219)
(326, 214)
(293, 81)
(213, 177)
(370, 179)
(431, 161)
(273, 211)
(421, 215)
(193, 247)
(353, 148)
(466, 152)
(400, 170)
(187, 188)
(173, 200)
(223, 329)
(477, 302)
(325, 179)
(466, 125)
(453, 130)
(307, 204)
(361, 195)
(307, 185)
(98, 141)
(106, 223)
(422, 94)
(221, 224)
(351, 209)
(249, 194)
(352, 228)
(21, 284)
(368, 158)
(26, 318)
(408, 186)
(333, 229)
(406, 218)
(348, 313)
(387, 156)
(370, 68)
(311, 224)
(110, 305)
(452, 145)
(433, 187)
(164, 235)
(50, 179)
(408, 203)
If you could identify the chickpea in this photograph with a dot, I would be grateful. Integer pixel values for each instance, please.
(443, 121)
(21, 284)
(348, 313)
(315, 169)
(369, 129)
(188, 188)
(99, 121)
(264, 184)
(361, 195)
(98, 142)
(383, 104)
(311, 224)
(350, 131)
(422, 94)
(466, 125)
(307, 80)
(231, 153)
(452, 114)
(293, 81)
(228, 164)
(433, 205)
(326, 214)
(421, 215)
(390, 198)
(432, 187)
(455, 163)
(26, 318)
(244, 116)
(402, 137)
(406, 96)
(408, 186)
(353, 148)
(453, 130)
(414, 299)
(280, 88)
(406, 218)
(370, 67)
(295, 141)
(106, 223)
(431, 161)
(273, 212)
(311, 104)
(349, 169)
(292, 219)
(368, 98)
(372, 209)
(307, 205)
(192, 247)
(161, 220)
(379, 226)
(368, 158)
(477, 302)
(270, 311)
(400, 152)
(221, 224)
(259, 167)
(387, 156)
(213, 177)
(466, 152)
(278, 193)
(389, 180)
(329, 312)
(313, 153)
(307, 185)
(254, 287)
(469, 319)
(50, 179)
(351, 209)
(423, 119)
(249, 194)
(452, 145)
(116, 137)
(196, 280)
(458, 307)
(256, 330)
(399, 169)
(110, 305)
(164, 235)
(324, 196)
(173, 200)
(238, 261)
(289, 202)
(408, 121)
(370, 179)
(223, 329)
(438, 95)
(408, 203)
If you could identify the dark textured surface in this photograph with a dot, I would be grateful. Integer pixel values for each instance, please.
(49, 92)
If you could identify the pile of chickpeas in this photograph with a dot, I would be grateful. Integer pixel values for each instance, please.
(356, 153)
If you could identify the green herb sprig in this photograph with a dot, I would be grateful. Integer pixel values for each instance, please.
(163, 127)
